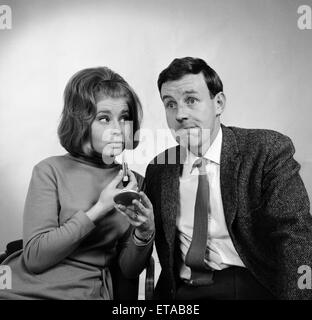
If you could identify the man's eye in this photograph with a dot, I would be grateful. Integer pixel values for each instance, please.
(191, 100)
(170, 105)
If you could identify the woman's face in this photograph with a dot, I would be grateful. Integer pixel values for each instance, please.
(110, 126)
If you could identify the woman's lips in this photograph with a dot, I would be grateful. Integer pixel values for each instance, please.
(112, 142)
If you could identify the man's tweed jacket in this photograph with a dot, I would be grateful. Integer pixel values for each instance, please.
(266, 209)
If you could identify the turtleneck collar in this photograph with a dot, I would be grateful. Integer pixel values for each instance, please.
(95, 160)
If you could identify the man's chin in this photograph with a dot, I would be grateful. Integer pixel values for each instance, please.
(187, 131)
(195, 149)
(188, 134)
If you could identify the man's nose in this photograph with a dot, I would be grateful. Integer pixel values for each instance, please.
(182, 113)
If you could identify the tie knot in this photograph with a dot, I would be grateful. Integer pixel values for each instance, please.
(201, 165)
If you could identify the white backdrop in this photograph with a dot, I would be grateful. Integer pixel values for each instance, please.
(262, 57)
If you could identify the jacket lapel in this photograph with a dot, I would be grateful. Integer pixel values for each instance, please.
(170, 193)
(230, 163)
(170, 184)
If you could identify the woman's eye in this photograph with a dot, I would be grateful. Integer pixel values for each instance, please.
(124, 118)
(104, 119)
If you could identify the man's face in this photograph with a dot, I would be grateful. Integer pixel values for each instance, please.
(191, 113)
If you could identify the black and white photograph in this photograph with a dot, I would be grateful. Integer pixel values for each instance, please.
(155, 150)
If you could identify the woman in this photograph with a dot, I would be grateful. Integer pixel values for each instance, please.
(73, 233)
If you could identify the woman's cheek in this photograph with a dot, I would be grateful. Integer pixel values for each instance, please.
(128, 136)
(107, 135)
(107, 150)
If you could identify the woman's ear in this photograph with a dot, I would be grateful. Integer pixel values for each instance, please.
(220, 102)
(87, 148)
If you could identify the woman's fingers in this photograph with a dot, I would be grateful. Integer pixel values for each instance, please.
(132, 185)
(134, 220)
(116, 180)
(139, 207)
(134, 223)
(120, 211)
(146, 201)
(131, 213)
(140, 213)
(132, 180)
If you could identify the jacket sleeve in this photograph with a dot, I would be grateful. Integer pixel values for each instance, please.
(288, 209)
(165, 283)
(46, 243)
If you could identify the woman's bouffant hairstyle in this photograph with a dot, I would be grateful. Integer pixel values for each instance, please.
(79, 110)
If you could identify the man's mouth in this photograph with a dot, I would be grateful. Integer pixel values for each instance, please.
(188, 128)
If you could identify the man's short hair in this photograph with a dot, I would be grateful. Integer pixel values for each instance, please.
(80, 98)
(180, 67)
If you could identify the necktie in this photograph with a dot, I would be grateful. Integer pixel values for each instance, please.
(200, 272)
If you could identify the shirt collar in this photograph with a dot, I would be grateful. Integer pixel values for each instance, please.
(213, 153)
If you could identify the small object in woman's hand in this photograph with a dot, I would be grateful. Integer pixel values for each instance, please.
(125, 177)
(125, 197)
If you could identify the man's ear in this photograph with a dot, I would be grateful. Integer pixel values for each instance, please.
(220, 102)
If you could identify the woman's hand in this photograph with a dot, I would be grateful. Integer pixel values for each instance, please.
(106, 202)
(141, 216)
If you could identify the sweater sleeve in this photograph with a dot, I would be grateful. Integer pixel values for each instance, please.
(133, 256)
(46, 243)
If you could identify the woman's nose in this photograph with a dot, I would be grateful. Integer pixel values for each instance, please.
(116, 127)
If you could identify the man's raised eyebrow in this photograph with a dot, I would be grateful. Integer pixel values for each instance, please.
(189, 92)
(166, 97)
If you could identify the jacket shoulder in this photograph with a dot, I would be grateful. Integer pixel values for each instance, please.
(249, 139)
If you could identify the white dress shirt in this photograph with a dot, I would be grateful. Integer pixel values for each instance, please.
(220, 249)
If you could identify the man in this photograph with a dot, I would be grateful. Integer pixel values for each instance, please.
(231, 211)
